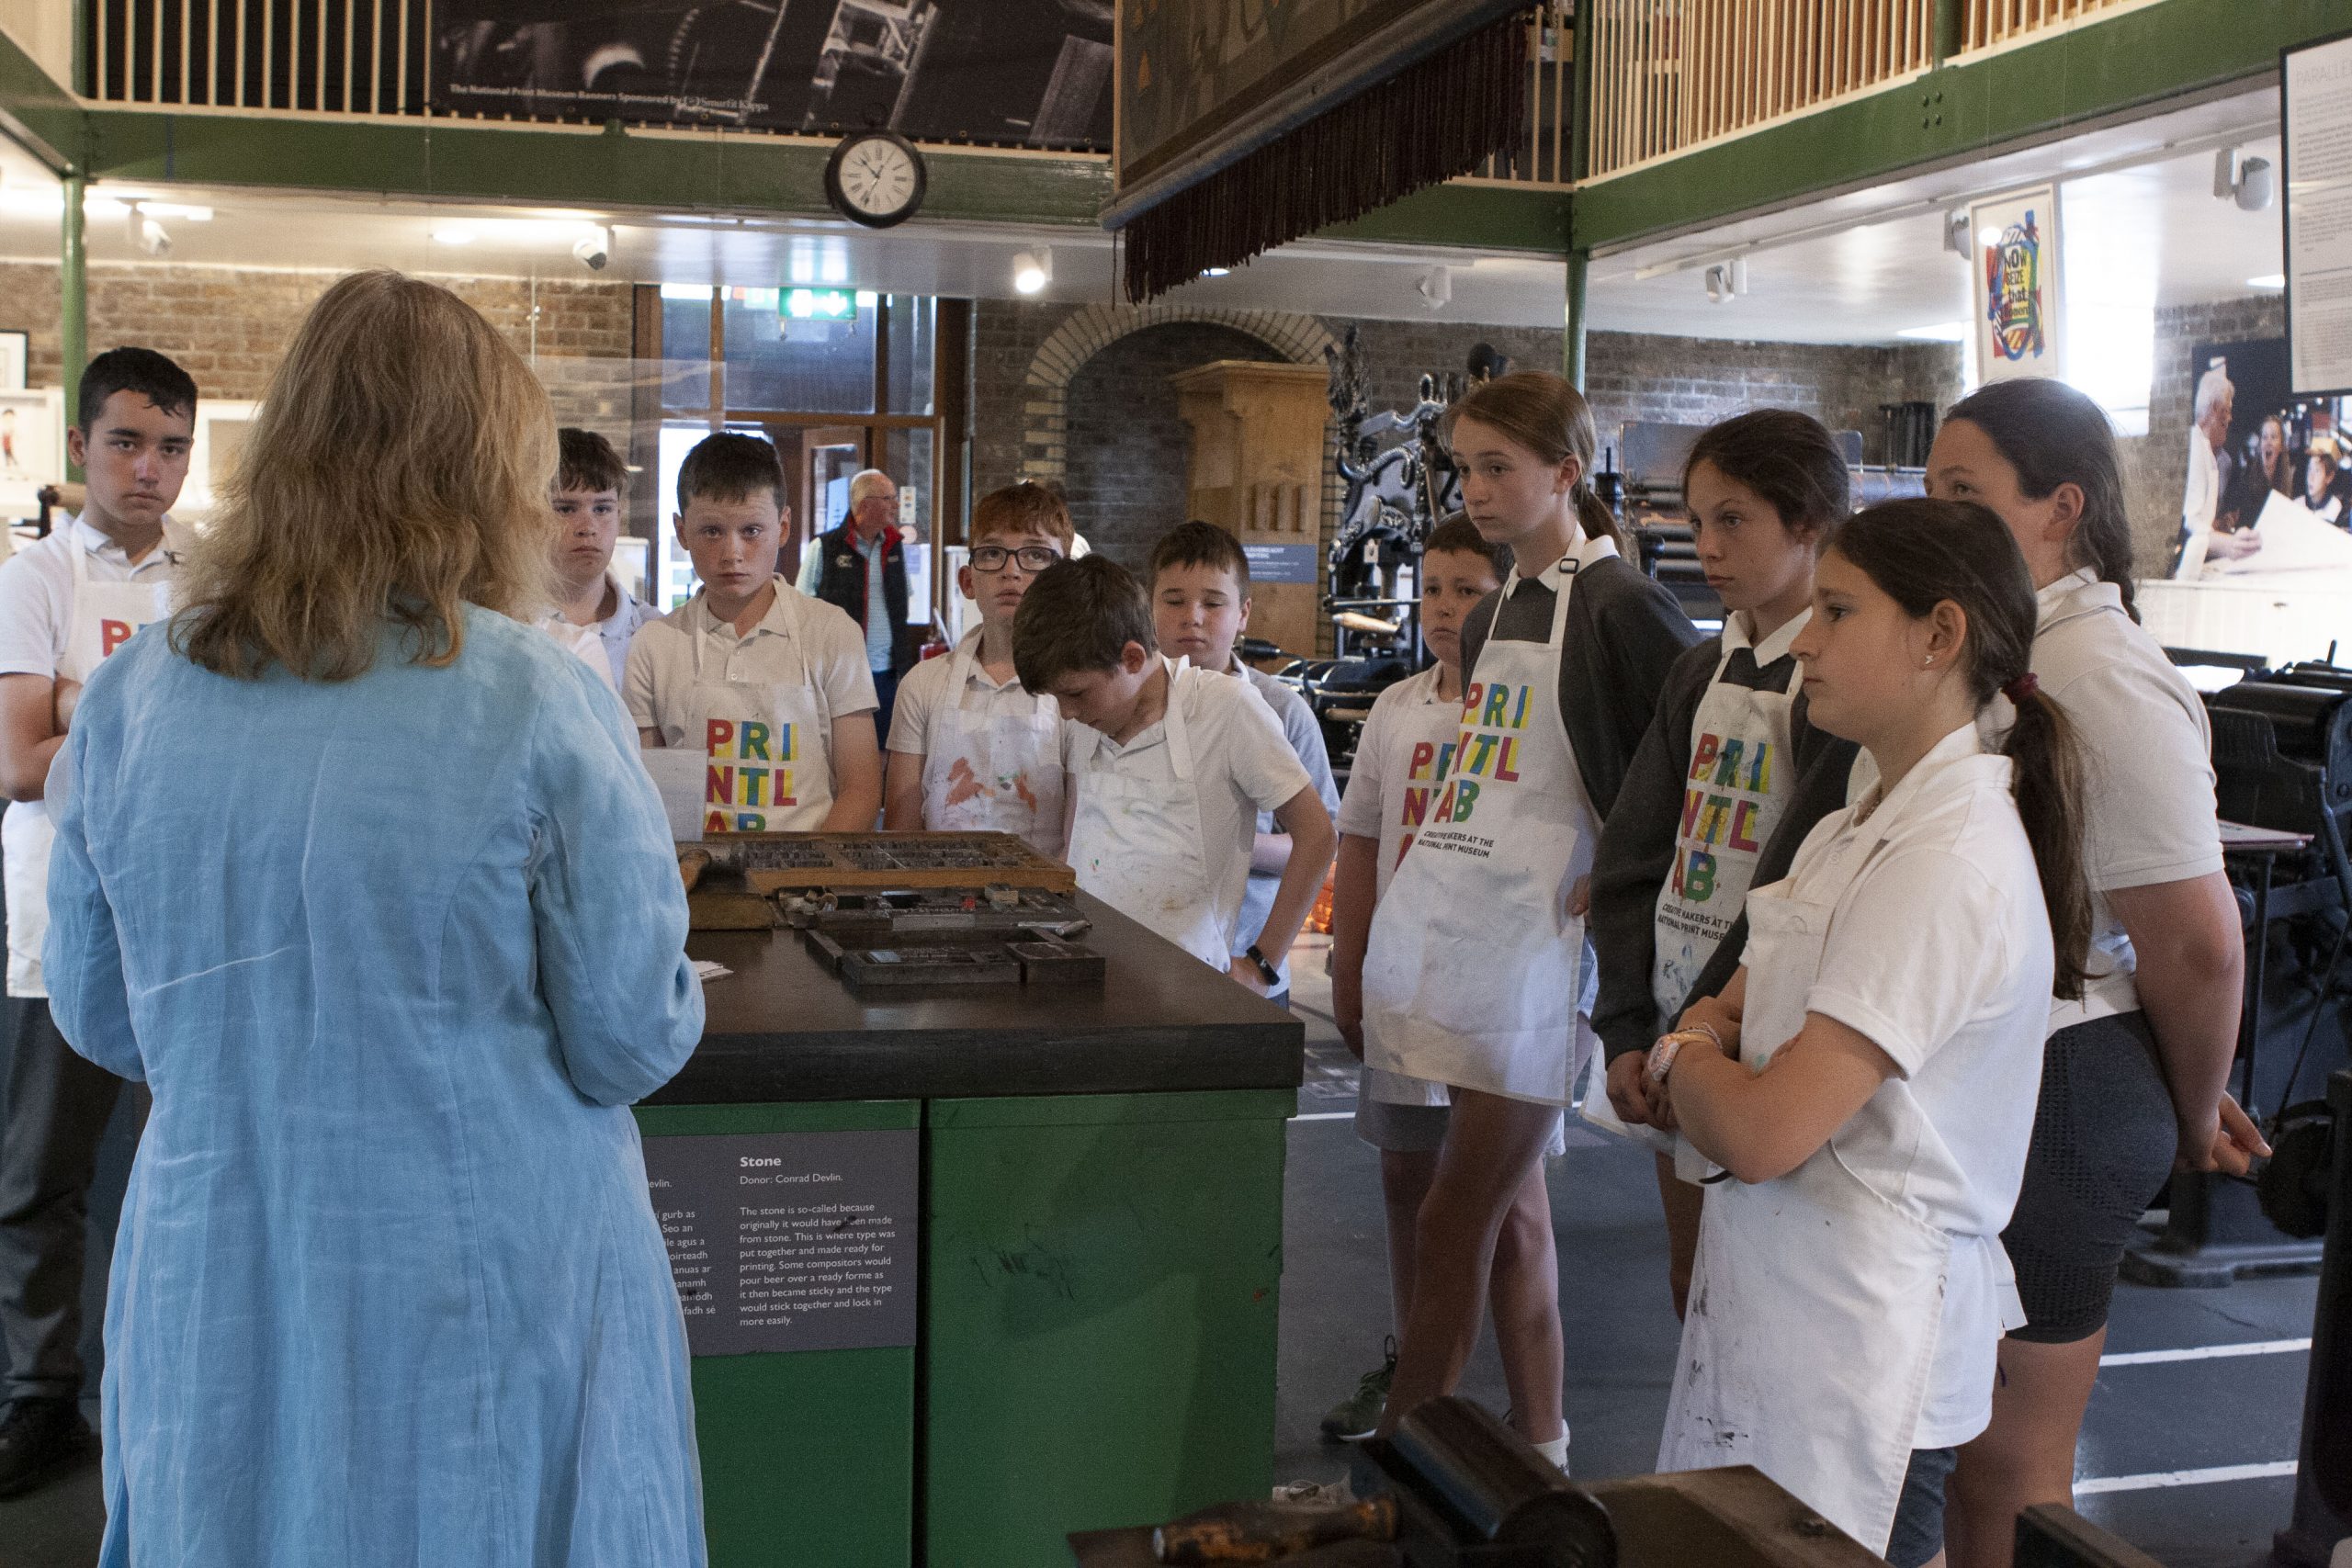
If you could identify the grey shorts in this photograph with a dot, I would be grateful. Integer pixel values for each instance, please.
(1419, 1129)
(1919, 1516)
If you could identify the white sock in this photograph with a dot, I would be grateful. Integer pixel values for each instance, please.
(1556, 1452)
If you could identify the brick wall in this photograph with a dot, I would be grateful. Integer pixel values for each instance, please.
(229, 328)
(1130, 450)
(2155, 466)
(1634, 377)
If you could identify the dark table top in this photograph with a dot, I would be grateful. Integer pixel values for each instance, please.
(781, 1029)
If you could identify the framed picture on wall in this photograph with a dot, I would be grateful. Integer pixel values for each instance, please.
(32, 446)
(2015, 285)
(221, 426)
(16, 353)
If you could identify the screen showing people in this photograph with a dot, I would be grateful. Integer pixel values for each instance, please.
(2270, 475)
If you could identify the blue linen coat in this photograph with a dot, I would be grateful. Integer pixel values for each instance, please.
(394, 956)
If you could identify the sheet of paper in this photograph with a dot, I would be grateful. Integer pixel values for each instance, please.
(678, 774)
(2294, 539)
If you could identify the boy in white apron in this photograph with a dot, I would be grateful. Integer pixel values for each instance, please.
(66, 604)
(1169, 766)
(1869, 1076)
(1729, 766)
(596, 617)
(971, 748)
(1199, 607)
(770, 685)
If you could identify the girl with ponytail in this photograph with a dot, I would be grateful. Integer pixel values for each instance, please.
(1476, 975)
(1867, 1078)
(2132, 1077)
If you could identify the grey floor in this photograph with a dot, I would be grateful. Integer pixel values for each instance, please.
(2148, 1422)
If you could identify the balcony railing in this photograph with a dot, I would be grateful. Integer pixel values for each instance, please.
(1991, 24)
(1669, 75)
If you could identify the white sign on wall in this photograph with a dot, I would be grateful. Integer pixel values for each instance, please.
(2015, 284)
(2317, 212)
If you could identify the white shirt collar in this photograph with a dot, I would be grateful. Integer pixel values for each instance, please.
(2079, 592)
(774, 620)
(88, 537)
(1585, 552)
(1961, 743)
(1771, 647)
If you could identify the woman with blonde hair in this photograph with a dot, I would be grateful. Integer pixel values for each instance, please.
(361, 874)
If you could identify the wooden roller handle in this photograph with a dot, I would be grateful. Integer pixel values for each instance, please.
(1268, 1532)
(1358, 623)
(691, 865)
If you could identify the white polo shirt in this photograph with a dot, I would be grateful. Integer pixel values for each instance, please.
(1400, 765)
(1241, 766)
(613, 632)
(1938, 950)
(2148, 811)
(797, 634)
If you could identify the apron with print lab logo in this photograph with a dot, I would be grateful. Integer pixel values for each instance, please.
(1139, 846)
(102, 618)
(1816, 1302)
(767, 743)
(1742, 773)
(988, 770)
(1472, 975)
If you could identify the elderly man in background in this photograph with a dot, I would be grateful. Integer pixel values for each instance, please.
(861, 566)
(2202, 522)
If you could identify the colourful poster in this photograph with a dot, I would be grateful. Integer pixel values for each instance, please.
(2017, 285)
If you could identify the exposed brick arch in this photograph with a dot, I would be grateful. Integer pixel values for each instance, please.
(1045, 426)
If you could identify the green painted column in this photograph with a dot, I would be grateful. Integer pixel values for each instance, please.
(1572, 346)
(73, 299)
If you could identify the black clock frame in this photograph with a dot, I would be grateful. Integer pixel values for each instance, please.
(842, 204)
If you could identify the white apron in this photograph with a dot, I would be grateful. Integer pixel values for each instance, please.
(1816, 1302)
(1741, 774)
(989, 771)
(100, 619)
(768, 744)
(1421, 754)
(1139, 846)
(1473, 973)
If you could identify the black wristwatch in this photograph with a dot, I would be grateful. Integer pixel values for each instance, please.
(1274, 976)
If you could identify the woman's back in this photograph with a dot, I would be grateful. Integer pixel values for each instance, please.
(395, 954)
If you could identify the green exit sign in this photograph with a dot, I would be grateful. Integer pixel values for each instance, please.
(821, 304)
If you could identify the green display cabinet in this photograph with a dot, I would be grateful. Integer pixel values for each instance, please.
(1100, 1305)
(808, 1456)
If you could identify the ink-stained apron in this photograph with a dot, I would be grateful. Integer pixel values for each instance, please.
(991, 770)
(1139, 846)
(1816, 1302)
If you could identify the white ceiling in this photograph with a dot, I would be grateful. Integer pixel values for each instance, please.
(1864, 266)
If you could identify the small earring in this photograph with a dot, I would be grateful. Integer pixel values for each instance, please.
(1924, 663)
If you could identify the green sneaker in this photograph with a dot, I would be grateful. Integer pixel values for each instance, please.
(1354, 1418)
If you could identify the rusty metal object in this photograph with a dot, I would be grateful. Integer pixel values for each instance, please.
(1270, 1533)
(691, 864)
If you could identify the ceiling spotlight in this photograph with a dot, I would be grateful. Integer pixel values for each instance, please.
(1956, 235)
(1216, 271)
(1942, 331)
(2268, 280)
(2244, 180)
(1436, 288)
(594, 250)
(1032, 270)
(452, 236)
(1728, 280)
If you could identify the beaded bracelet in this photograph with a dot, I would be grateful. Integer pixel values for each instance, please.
(1668, 1046)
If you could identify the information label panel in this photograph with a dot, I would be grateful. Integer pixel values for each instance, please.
(2318, 143)
(790, 1241)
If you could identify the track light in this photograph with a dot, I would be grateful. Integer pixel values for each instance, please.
(145, 232)
(1436, 288)
(1956, 235)
(2244, 180)
(1032, 270)
(594, 250)
(1728, 280)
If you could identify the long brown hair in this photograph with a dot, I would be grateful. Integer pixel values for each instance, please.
(1542, 412)
(2053, 435)
(398, 471)
(1787, 459)
(1921, 553)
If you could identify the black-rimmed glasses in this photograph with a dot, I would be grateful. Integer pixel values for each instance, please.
(1033, 557)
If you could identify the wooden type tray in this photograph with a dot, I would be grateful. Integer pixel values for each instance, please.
(773, 861)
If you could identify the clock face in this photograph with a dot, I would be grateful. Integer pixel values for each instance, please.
(877, 179)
